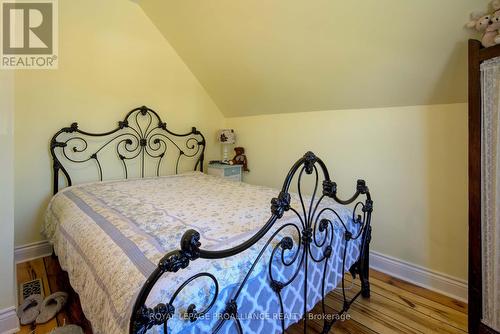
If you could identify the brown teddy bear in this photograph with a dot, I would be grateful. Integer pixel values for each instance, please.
(240, 158)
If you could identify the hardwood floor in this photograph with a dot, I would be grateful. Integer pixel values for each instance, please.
(54, 279)
(395, 306)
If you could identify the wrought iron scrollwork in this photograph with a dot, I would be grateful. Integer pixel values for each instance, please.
(141, 136)
(290, 245)
(179, 259)
(280, 204)
(156, 316)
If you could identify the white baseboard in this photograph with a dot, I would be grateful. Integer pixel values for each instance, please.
(9, 322)
(32, 251)
(432, 280)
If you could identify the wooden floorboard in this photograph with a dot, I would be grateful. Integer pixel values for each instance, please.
(29, 271)
(348, 326)
(58, 281)
(443, 311)
(419, 291)
(395, 306)
(54, 279)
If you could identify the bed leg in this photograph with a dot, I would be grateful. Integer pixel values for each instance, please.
(365, 265)
(327, 326)
(365, 280)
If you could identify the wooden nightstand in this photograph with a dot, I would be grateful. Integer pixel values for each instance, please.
(229, 172)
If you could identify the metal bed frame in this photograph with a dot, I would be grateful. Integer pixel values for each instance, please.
(142, 135)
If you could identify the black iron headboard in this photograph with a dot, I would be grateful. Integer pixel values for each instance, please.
(142, 135)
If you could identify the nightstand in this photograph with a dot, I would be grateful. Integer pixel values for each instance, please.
(228, 172)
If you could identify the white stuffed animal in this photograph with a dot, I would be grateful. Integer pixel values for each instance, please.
(491, 35)
(493, 30)
(479, 21)
(483, 23)
(488, 24)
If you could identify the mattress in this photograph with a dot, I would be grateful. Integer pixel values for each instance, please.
(109, 237)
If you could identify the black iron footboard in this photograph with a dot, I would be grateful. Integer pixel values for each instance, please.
(314, 232)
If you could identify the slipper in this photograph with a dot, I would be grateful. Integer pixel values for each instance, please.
(29, 309)
(68, 329)
(51, 306)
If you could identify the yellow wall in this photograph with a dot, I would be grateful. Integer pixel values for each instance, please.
(7, 294)
(111, 59)
(414, 160)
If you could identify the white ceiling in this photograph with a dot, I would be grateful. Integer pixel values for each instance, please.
(273, 56)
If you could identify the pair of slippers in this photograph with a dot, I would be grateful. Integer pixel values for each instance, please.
(35, 309)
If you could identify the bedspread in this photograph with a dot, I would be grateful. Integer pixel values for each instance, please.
(109, 237)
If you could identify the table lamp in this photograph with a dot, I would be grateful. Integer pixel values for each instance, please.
(226, 137)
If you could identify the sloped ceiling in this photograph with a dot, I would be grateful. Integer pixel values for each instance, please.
(273, 56)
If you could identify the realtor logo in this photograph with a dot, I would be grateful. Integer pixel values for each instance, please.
(29, 34)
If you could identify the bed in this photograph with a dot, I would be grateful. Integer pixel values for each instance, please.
(133, 250)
